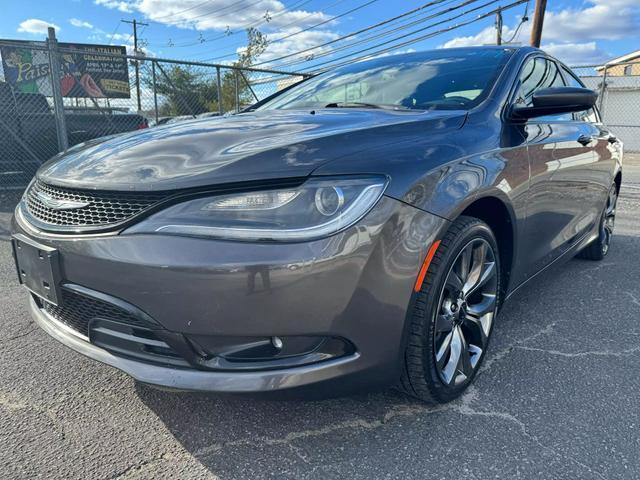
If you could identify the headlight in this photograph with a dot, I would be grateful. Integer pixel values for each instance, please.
(320, 207)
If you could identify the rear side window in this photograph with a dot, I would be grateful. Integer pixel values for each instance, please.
(586, 115)
(540, 73)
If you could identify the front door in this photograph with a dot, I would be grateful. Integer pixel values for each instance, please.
(561, 155)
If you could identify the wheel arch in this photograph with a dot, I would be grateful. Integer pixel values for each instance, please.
(618, 180)
(499, 215)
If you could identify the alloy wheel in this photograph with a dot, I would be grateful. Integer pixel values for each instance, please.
(609, 219)
(466, 309)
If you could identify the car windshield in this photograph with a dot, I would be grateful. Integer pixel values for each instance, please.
(435, 80)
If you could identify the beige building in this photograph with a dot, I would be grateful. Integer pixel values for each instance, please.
(624, 66)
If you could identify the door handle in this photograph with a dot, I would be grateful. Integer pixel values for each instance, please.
(585, 140)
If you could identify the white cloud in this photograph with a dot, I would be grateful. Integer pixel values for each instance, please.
(571, 53)
(571, 34)
(121, 37)
(122, 5)
(574, 54)
(219, 15)
(599, 20)
(80, 23)
(486, 36)
(35, 26)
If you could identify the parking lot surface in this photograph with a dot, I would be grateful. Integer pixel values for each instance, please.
(557, 398)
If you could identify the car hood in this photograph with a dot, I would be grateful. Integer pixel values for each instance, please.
(247, 147)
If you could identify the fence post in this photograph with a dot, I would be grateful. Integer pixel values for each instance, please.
(235, 75)
(58, 105)
(603, 90)
(219, 82)
(155, 92)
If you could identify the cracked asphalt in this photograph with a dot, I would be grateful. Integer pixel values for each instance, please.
(556, 398)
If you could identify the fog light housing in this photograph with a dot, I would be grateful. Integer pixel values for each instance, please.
(255, 353)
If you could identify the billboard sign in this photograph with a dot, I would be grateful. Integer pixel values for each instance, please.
(95, 71)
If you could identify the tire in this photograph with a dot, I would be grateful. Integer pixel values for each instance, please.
(599, 248)
(433, 312)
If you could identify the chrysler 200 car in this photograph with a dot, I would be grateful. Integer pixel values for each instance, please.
(360, 228)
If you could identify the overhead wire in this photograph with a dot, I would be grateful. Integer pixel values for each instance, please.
(252, 24)
(335, 62)
(523, 20)
(397, 29)
(311, 27)
(358, 32)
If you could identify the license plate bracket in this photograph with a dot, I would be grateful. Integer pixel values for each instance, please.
(38, 268)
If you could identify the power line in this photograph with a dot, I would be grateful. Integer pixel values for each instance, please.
(210, 12)
(280, 39)
(217, 10)
(267, 18)
(401, 28)
(182, 11)
(523, 20)
(352, 34)
(413, 32)
(114, 32)
(408, 42)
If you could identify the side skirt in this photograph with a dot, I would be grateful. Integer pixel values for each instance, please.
(566, 256)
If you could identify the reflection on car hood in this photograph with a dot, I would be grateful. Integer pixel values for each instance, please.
(250, 146)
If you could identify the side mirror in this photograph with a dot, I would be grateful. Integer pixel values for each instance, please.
(556, 100)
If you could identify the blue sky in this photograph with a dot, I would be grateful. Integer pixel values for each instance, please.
(577, 31)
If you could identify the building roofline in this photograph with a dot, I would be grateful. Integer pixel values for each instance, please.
(624, 58)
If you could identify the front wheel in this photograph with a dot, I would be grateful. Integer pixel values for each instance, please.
(453, 313)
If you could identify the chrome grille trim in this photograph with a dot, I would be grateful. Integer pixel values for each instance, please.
(103, 208)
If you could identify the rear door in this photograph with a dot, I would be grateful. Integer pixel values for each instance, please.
(605, 148)
(561, 157)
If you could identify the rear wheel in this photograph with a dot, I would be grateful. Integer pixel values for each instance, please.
(599, 248)
(453, 314)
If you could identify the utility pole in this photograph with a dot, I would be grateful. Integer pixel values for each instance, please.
(538, 20)
(135, 24)
(499, 26)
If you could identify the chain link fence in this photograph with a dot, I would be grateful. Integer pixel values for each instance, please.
(39, 117)
(618, 87)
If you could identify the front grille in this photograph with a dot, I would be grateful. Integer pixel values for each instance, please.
(76, 310)
(104, 208)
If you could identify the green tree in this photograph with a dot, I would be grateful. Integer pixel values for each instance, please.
(186, 91)
(192, 90)
(256, 45)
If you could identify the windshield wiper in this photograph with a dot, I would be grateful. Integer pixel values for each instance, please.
(366, 105)
(351, 105)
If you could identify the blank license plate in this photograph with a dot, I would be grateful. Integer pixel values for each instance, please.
(38, 268)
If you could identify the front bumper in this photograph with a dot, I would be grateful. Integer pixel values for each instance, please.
(355, 286)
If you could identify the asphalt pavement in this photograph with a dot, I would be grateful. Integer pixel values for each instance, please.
(557, 398)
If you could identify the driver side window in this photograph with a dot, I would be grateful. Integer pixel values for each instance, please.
(540, 73)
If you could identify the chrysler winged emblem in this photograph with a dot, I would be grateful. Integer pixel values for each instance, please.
(59, 204)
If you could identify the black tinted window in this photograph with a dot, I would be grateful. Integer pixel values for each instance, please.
(540, 73)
